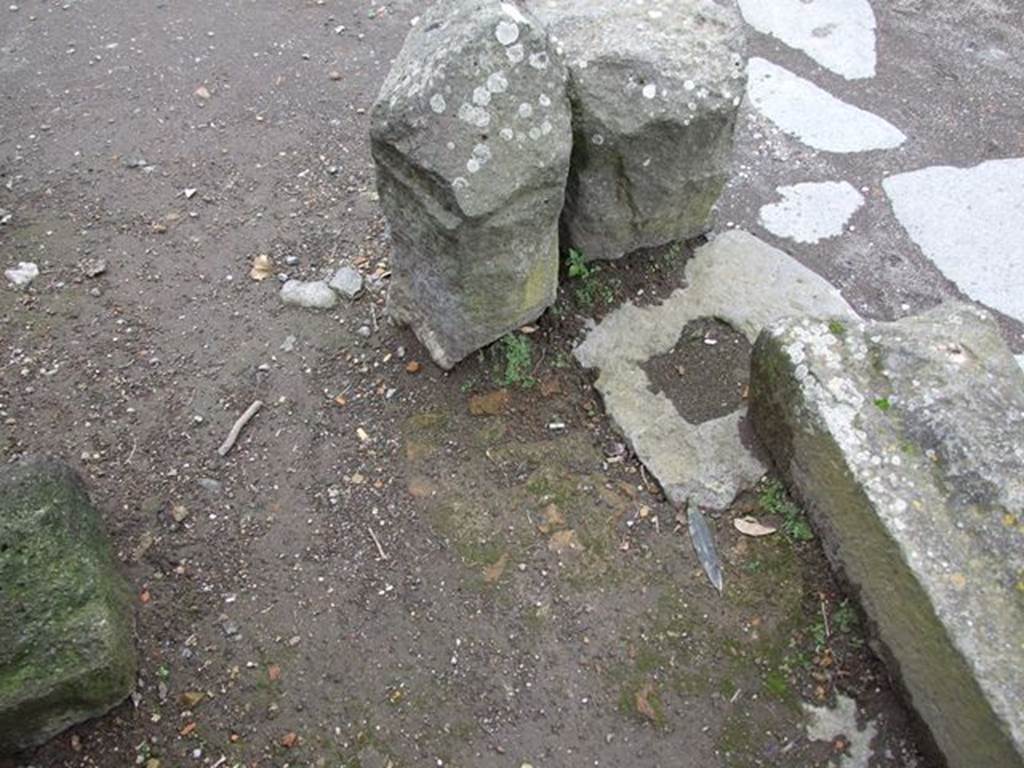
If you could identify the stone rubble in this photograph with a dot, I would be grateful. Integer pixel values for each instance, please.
(471, 137)
(315, 294)
(656, 89)
(904, 442)
(67, 649)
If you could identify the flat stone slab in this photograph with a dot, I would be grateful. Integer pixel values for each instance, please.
(67, 649)
(977, 246)
(813, 115)
(905, 441)
(740, 280)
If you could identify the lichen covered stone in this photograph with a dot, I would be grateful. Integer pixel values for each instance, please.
(655, 88)
(471, 136)
(905, 441)
(67, 649)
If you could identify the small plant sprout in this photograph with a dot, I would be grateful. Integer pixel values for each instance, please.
(773, 499)
(518, 361)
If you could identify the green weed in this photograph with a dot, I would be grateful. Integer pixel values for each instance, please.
(836, 328)
(589, 289)
(518, 361)
(773, 499)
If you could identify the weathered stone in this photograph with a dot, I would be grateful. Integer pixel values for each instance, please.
(23, 274)
(66, 635)
(471, 135)
(905, 441)
(655, 90)
(348, 282)
(311, 295)
(740, 280)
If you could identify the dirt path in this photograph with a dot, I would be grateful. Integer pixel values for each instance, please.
(525, 596)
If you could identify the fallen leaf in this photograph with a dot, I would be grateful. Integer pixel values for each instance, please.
(189, 727)
(704, 545)
(190, 699)
(412, 367)
(159, 228)
(528, 329)
(643, 702)
(563, 541)
(144, 596)
(340, 400)
(203, 93)
(553, 519)
(179, 513)
(262, 268)
(146, 541)
(550, 386)
(490, 404)
(493, 572)
(289, 739)
(749, 526)
(420, 488)
(274, 672)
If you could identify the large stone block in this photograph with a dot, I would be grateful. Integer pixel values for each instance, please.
(66, 635)
(655, 89)
(471, 135)
(905, 441)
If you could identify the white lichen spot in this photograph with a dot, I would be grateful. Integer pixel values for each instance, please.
(507, 32)
(508, 134)
(525, 110)
(437, 103)
(482, 153)
(689, 85)
(460, 182)
(597, 139)
(450, 145)
(481, 96)
(497, 83)
(650, 91)
(473, 165)
(546, 127)
(514, 12)
(539, 60)
(474, 115)
(535, 133)
(544, 100)
(516, 53)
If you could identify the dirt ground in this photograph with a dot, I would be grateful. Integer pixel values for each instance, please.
(374, 576)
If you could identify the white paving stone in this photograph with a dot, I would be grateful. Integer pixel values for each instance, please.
(970, 223)
(707, 463)
(813, 115)
(825, 724)
(838, 34)
(812, 211)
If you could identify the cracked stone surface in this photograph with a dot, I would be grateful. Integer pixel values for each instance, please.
(903, 440)
(743, 282)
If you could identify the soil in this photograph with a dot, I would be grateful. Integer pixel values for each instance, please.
(705, 375)
(372, 576)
